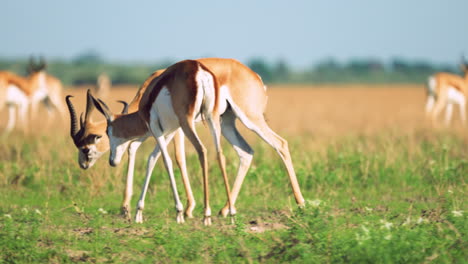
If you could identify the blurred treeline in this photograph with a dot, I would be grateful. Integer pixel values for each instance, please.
(85, 68)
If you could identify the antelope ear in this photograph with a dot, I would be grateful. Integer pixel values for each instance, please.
(103, 108)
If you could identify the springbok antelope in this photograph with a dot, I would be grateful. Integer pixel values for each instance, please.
(15, 92)
(445, 90)
(247, 101)
(186, 91)
(47, 89)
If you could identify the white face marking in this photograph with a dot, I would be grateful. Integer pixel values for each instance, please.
(87, 160)
(455, 96)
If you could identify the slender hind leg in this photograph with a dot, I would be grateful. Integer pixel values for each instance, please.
(189, 130)
(439, 105)
(11, 118)
(215, 127)
(179, 149)
(243, 150)
(23, 117)
(262, 129)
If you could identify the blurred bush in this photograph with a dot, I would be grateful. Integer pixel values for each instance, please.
(86, 67)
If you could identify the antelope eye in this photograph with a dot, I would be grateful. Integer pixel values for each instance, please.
(86, 151)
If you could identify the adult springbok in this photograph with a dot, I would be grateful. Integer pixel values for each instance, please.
(445, 90)
(47, 90)
(185, 92)
(247, 99)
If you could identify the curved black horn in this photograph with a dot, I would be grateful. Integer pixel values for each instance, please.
(82, 122)
(73, 121)
(31, 65)
(42, 63)
(125, 107)
(89, 105)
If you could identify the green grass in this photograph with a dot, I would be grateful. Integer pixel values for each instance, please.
(389, 198)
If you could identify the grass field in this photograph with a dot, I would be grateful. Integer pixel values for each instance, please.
(381, 187)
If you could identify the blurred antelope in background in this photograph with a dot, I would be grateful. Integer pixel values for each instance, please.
(15, 94)
(19, 93)
(445, 90)
(47, 90)
(103, 86)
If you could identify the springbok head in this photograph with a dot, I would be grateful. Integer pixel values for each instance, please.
(116, 131)
(34, 67)
(90, 138)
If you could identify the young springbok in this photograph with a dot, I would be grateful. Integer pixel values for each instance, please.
(185, 92)
(247, 100)
(445, 90)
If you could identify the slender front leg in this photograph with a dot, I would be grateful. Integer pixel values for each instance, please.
(179, 149)
(23, 117)
(132, 150)
(448, 113)
(153, 157)
(169, 169)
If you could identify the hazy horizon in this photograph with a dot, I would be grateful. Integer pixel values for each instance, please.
(301, 33)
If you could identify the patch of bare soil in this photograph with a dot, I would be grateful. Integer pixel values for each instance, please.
(259, 227)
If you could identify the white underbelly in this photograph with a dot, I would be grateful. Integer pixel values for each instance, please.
(15, 96)
(455, 96)
(162, 113)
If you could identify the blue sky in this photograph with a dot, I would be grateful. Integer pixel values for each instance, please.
(301, 32)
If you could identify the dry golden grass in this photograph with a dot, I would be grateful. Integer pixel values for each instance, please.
(322, 111)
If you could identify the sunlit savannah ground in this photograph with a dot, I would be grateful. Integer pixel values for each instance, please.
(381, 187)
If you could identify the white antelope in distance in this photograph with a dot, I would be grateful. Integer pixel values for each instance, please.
(186, 91)
(247, 101)
(445, 90)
